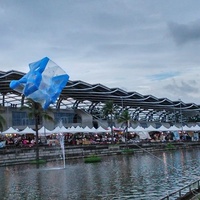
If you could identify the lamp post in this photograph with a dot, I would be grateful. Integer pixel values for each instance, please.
(122, 101)
(181, 116)
(174, 116)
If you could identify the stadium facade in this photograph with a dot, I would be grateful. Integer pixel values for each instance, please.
(81, 103)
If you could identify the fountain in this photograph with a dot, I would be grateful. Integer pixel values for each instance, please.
(61, 139)
(62, 145)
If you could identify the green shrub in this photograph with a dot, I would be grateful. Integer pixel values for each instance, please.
(92, 159)
(38, 161)
(127, 151)
(170, 146)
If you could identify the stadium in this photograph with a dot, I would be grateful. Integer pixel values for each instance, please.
(81, 103)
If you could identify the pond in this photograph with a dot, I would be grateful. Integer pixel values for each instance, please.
(146, 176)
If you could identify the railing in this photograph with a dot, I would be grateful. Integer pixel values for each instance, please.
(191, 189)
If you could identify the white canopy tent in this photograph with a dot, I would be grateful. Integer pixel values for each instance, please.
(27, 130)
(150, 128)
(186, 128)
(174, 128)
(59, 129)
(139, 128)
(101, 130)
(44, 132)
(143, 135)
(163, 128)
(131, 129)
(10, 130)
(93, 130)
(87, 130)
(77, 129)
(114, 129)
(195, 128)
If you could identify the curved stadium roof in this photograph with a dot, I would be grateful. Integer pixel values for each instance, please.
(91, 98)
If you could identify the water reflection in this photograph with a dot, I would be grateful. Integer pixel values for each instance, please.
(139, 176)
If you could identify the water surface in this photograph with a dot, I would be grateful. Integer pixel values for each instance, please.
(140, 177)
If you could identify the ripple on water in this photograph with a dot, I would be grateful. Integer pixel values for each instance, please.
(116, 177)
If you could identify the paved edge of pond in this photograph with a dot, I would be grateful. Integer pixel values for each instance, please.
(12, 156)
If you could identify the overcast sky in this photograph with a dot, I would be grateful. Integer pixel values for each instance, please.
(147, 46)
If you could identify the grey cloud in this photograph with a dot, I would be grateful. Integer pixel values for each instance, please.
(117, 43)
(189, 87)
(184, 33)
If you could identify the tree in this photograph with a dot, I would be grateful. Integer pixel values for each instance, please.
(36, 112)
(2, 122)
(110, 111)
(125, 119)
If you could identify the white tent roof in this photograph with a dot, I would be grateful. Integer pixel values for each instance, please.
(136, 129)
(87, 130)
(63, 129)
(186, 128)
(150, 128)
(72, 129)
(59, 129)
(195, 128)
(93, 130)
(174, 128)
(44, 132)
(75, 129)
(79, 129)
(114, 129)
(163, 128)
(143, 135)
(27, 130)
(10, 130)
(131, 129)
(101, 130)
(139, 128)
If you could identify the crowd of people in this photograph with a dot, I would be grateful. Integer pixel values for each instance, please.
(28, 140)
